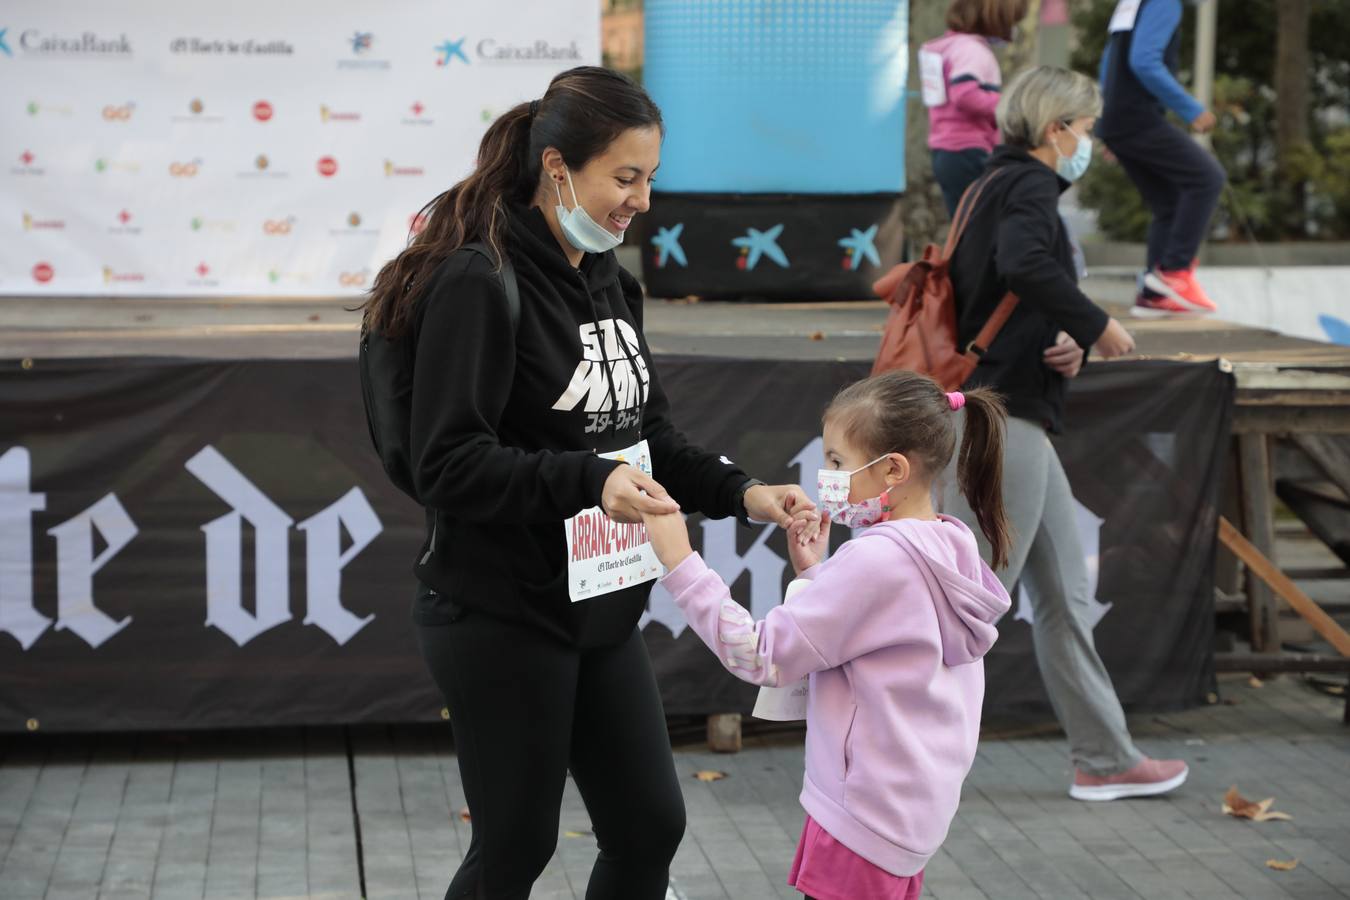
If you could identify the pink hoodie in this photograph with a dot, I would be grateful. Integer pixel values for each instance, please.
(892, 631)
(973, 81)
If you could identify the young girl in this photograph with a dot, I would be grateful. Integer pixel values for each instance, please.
(892, 630)
(961, 84)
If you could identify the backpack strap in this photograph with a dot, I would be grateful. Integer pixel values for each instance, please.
(965, 209)
(993, 325)
(508, 274)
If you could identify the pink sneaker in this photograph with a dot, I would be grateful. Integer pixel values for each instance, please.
(1147, 779)
(1160, 308)
(1182, 287)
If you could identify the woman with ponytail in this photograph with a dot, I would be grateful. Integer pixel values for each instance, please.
(510, 414)
(891, 631)
(1015, 242)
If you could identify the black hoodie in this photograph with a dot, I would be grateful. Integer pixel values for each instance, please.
(1015, 241)
(506, 427)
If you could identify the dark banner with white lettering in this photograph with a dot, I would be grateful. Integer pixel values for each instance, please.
(206, 544)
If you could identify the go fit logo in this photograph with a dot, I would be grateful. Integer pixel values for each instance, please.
(354, 279)
(43, 273)
(327, 166)
(118, 113)
(185, 169)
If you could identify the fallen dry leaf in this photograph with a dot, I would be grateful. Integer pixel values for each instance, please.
(709, 775)
(1238, 806)
(817, 335)
(1282, 864)
(1256, 682)
(314, 317)
(464, 814)
(577, 834)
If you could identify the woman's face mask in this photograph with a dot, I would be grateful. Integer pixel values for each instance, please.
(581, 231)
(1072, 167)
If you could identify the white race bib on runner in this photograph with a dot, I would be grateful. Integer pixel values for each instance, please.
(604, 556)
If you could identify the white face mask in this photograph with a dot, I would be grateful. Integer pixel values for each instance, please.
(583, 232)
(1072, 167)
(834, 487)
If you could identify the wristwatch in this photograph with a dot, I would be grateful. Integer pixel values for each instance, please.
(742, 515)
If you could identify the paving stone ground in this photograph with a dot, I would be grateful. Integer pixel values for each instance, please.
(277, 814)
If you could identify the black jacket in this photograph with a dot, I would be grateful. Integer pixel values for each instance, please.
(1016, 241)
(506, 427)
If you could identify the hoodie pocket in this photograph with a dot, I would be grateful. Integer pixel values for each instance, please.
(848, 741)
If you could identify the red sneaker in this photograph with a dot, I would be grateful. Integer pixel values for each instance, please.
(1182, 287)
(1147, 779)
(1160, 307)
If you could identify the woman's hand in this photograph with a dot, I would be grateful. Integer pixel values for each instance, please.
(808, 539)
(777, 503)
(1065, 357)
(629, 495)
(1115, 341)
(670, 538)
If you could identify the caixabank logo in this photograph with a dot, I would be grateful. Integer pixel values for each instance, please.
(35, 43)
(454, 52)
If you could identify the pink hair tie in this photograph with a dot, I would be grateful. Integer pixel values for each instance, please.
(956, 399)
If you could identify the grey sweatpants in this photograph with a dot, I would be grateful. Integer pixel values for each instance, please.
(1046, 551)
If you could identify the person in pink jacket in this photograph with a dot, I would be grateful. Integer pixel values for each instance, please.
(892, 631)
(961, 84)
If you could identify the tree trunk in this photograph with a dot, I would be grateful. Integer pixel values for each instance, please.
(1292, 71)
(924, 213)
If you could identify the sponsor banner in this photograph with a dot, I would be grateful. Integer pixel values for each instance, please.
(206, 123)
(219, 545)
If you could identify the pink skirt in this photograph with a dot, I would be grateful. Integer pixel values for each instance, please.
(827, 870)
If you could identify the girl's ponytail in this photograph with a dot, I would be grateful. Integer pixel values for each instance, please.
(979, 469)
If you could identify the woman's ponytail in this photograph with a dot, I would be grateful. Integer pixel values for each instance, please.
(979, 469)
(473, 209)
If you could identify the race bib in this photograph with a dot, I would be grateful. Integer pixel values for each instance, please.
(786, 703)
(1123, 18)
(932, 80)
(604, 556)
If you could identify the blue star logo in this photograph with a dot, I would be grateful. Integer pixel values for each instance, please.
(758, 243)
(1338, 330)
(860, 245)
(3, 45)
(667, 241)
(361, 41)
(451, 49)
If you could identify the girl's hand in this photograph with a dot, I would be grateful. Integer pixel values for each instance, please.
(629, 495)
(808, 540)
(1065, 357)
(669, 536)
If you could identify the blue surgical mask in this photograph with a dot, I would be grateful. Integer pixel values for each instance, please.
(581, 230)
(1071, 168)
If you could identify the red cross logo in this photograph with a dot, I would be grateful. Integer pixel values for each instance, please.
(202, 269)
(417, 109)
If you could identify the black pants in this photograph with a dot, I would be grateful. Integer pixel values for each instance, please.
(1179, 181)
(956, 170)
(525, 709)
